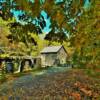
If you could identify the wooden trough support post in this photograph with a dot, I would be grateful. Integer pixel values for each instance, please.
(19, 62)
(2, 69)
(38, 63)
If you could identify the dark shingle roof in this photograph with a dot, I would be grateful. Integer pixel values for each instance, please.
(51, 49)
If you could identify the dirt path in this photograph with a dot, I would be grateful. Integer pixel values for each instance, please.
(57, 84)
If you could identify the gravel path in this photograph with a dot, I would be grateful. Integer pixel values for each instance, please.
(51, 84)
(34, 80)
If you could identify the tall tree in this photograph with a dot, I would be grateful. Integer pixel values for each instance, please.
(86, 39)
(64, 13)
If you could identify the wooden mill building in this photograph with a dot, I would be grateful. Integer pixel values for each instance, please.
(53, 56)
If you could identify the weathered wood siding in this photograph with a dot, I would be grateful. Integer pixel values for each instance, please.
(62, 56)
(48, 59)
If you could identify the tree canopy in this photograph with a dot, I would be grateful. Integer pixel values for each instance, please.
(74, 21)
(63, 14)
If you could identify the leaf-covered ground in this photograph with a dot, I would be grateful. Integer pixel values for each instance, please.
(72, 84)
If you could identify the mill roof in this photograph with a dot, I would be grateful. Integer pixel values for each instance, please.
(51, 49)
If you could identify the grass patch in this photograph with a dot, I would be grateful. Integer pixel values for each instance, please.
(2, 79)
(92, 73)
(12, 76)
